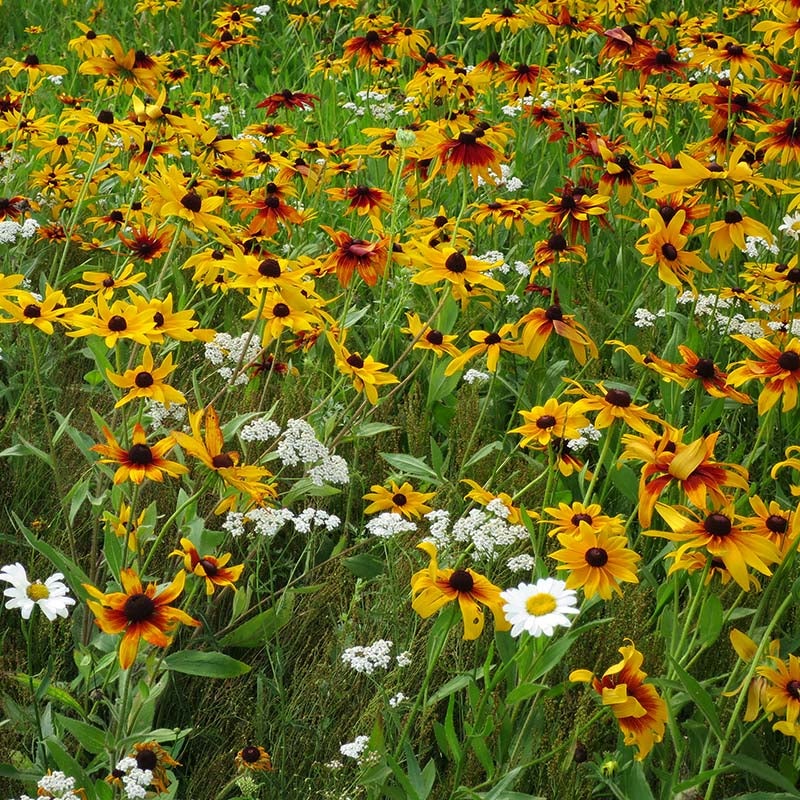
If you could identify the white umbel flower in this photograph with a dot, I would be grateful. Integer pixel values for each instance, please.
(539, 608)
(51, 596)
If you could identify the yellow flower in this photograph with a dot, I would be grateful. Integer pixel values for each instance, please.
(365, 372)
(398, 499)
(147, 381)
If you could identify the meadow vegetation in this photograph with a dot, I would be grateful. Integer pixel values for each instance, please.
(399, 400)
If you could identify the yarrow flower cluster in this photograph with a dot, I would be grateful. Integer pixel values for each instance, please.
(485, 529)
(367, 659)
(134, 780)
(55, 785)
(475, 376)
(163, 417)
(231, 352)
(268, 521)
(299, 444)
(260, 430)
(388, 525)
(356, 748)
(10, 230)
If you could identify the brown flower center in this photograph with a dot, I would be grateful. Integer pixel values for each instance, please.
(222, 461)
(399, 499)
(732, 217)
(789, 360)
(618, 397)
(793, 689)
(32, 311)
(146, 759)
(776, 523)
(545, 421)
(140, 454)
(461, 581)
(434, 337)
(718, 525)
(250, 755)
(492, 338)
(596, 557)
(117, 324)
(455, 262)
(281, 310)
(669, 251)
(138, 607)
(704, 368)
(192, 202)
(143, 380)
(209, 567)
(578, 518)
(355, 361)
(554, 313)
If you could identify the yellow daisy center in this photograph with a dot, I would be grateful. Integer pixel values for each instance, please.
(538, 605)
(37, 591)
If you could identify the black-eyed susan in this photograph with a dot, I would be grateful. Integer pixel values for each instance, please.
(553, 419)
(719, 533)
(433, 587)
(777, 367)
(353, 254)
(253, 758)
(119, 320)
(366, 373)
(490, 343)
(597, 560)
(152, 756)
(138, 613)
(147, 380)
(538, 325)
(611, 405)
(428, 338)
(568, 519)
(402, 499)
(452, 266)
(782, 693)
(140, 460)
(30, 309)
(215, 571)
(637, 706)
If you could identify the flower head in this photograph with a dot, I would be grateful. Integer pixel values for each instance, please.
(539, 608)
(51, 596)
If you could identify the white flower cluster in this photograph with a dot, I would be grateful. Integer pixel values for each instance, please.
(756, 248)
(163, 417)
(57, 785)
(375, 102)
(262, 11)
(396, 699)
(300, 444)
(475, 376)
(505, 180)
(403, 659)
(227, 352)
(486, 529)
(10, 230)
(642, 318)
(367, 660)
(356, 748)
(260, 430)
(521, 563)
(135, 781)
(388, 525)
(268, 521)
(587, 434)
(713, 306)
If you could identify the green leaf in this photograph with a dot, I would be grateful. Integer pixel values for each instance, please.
(701, 698)
(373, 429)
(90, 738)
(763, 772)
(633, 783)
(700, 778)
(412, 466)
(205, 664)
(524, 692)
(54, 693)
(710, 619)
(481, 454)
(453, 685)
(625, 480)
(256, 632)
(364, 565)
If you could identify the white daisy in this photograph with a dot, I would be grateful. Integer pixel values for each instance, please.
(51, 596)
(540, 607)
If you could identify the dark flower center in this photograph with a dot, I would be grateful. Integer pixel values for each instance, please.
(732, 217)
(140, 454)
(281, 310)
(146, 759)
(158, 319)
(618, 397)
(31, 60)
(192, 202)
(578, 518)
(355, 360)
(461, 581)
(776, 523)
(793, 689)
(117, 323)
(554, 313)
(596, 557)
(399, 499)
(789, 361)
(667, 213)
(793, 275)
(435, 337)
(222, 461)
(718, 525)
(209, 568)
(467, 137)
(669, 251)
(138, 607)
(456, 263)
(663, 58)
(492, 338)
(545, 421)
(557, 242)
(269, 268)
(106, 117)
(251, 754)
(734, 49)
(273, 201)
(440, 221)
(62, 140)
(143, 380)
(32, 311)
(704, 368)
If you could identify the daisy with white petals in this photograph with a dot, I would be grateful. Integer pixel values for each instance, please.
(539, 608)
(51, 596)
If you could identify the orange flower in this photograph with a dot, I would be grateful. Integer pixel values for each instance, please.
(138, 613)
(141, 460)
(779, 368)
(213, 569)
(368, 258)
(640, 712)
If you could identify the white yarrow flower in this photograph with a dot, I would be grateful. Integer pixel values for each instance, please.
(539, 608)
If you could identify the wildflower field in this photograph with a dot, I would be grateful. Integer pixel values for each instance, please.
(399, 400)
